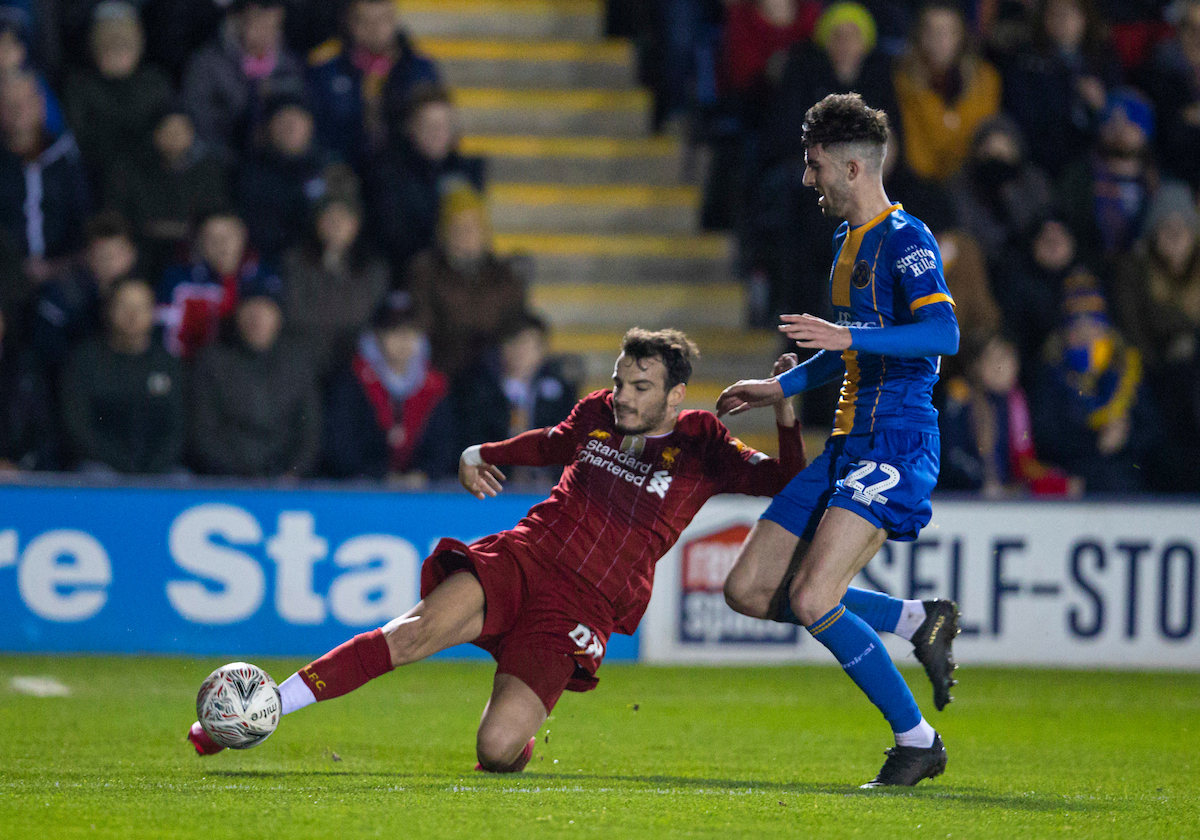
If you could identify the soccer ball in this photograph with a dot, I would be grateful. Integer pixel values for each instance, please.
(238, 705)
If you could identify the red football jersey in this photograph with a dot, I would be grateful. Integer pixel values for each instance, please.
(622, 500)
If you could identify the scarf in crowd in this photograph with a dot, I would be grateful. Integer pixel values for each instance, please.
(402, 402)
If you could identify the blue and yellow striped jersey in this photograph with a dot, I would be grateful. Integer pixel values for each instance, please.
(883, 273)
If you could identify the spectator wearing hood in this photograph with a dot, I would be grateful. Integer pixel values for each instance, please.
(842, 57)
(173, 182)
(1104, 197)
(195, 298)
(112, 108)
(999, 194)
(255, 410)
(1156, 301)
(122, 393)
(43, 187)
(1055, 87)
(420, 164)
(464, 292)
(228, 83)
(1029, 287)
(1091, 415)
(282, 179)
(355, 83)
(388, 414)
(332, 281)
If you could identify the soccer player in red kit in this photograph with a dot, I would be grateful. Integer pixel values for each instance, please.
(543, 597)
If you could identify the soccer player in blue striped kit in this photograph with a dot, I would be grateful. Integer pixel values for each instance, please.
(894, 319)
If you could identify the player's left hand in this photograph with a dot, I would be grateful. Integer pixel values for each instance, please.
(812, 332)
(785, 363)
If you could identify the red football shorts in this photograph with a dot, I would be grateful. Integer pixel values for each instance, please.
(544, 624)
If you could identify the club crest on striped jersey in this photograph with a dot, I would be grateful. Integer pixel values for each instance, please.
(861, 275)
(632, 445)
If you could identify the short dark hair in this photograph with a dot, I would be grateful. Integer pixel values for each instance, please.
(107, 224)
(844, 118)
(523, 321)
(674, 349)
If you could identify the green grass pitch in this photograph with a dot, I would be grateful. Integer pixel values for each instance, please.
(654, 752)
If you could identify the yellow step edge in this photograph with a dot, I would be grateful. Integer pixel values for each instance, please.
(703, 246)
(612, 51)
(617, 195)
(712, 341)
(478, 8)
(504, 99)
(725, 295)
(568, 147)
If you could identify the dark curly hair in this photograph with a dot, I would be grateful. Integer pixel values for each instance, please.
(674, 349)
(844, 118)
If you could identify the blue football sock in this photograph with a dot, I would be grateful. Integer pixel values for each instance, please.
(863, 656)
(882, 612)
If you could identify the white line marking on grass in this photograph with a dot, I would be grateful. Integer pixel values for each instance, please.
(39, 687)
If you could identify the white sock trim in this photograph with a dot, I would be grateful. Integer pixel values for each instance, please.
(920, 735)
(911, 618)
(295, 694)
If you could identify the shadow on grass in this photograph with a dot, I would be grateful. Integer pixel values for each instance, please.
(941, 792)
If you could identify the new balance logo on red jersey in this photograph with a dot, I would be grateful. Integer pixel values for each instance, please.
(660, 483)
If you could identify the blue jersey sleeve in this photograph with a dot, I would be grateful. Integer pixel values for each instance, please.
(824, 367)
(915, 262)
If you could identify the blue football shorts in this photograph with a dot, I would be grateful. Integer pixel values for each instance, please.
(884, 476)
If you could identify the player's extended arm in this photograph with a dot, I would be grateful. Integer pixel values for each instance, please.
(934, 333)
(477, 470)
(756, 393)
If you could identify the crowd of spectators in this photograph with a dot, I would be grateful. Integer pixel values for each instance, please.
(1053, 147)
(237, 239)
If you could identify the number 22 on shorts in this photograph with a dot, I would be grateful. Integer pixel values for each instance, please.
(869, 493)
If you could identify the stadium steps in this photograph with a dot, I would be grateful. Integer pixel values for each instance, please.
(651, 161)
(606, 211)
(578, 20)
(480, 62)
(526, 208)
(554, 113)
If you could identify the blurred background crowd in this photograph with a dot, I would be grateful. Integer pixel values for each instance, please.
(240, 238)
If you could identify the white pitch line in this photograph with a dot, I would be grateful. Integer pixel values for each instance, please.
(39, 687)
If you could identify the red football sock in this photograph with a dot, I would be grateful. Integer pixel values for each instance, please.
(348, 666)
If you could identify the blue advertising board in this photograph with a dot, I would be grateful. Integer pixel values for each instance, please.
(216, 571)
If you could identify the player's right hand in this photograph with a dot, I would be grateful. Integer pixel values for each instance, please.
(748, 394)
(480, 480)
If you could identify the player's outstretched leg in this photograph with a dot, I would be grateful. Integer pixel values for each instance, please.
(844, 541)
(508, 731)
(451, 614)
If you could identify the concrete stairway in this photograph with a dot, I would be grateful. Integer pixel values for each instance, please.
(578, 182)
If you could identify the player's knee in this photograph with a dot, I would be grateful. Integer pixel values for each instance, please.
(407, 643)
(742, 597)
(809, 604)
(497, 748)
